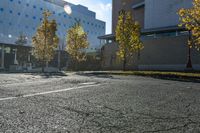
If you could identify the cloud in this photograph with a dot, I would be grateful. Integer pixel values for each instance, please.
(103, 10)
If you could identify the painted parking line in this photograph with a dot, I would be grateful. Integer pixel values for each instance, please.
(49, 92)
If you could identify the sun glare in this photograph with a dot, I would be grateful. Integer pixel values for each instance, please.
(68, 9)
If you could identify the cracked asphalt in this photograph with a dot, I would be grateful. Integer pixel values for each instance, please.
(86, 103)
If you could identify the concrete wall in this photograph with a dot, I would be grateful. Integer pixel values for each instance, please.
(167, 53)
(109, 58)
(163, 13)
(119, 5)
(163, 53)
(138, 15)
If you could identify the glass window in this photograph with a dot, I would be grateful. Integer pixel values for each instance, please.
(27, 4)
(34, 17)
(19, 2)
(11, 11)
(26, 15)
(11, 0)
(1, 9)
(34, 6)
(18, 13)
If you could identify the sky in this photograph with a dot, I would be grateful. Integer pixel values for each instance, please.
(103, 9)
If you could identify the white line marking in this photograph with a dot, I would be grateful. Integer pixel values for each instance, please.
(88, 83)
(48, 92)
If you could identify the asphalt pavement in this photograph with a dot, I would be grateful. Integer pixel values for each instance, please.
(88, 103)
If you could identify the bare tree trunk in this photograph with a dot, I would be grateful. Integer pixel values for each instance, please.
(43, 64)
(124, 64)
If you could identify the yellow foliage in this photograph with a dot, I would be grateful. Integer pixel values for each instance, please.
(77, 42)
(190, 19)
(127, 35)
(45, 41)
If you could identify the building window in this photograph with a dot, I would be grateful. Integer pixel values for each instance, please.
(65, 16)
(54, 12)
(34, 17)
(10, 23)
(26, 15)
(19, 2)
(11, 0)
(34, 6)
(11, 11)
(26, 27)
(27, 4)
(18, 13)
(41, 8)
(1, 9)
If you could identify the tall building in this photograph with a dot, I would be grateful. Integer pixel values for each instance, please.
(165, 44)
(24, 16)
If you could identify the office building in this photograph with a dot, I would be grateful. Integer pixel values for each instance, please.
(24, 16)
(165, 43)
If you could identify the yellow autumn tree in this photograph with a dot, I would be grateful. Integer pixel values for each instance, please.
(45, 40)
(77, 42)
(190, 19)
(127, 36)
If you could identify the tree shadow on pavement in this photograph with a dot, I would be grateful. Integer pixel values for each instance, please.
(95, 75)
(50, 75)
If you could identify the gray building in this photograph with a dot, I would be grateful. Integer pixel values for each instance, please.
(24, 16)
(163, 13)
(165, 44)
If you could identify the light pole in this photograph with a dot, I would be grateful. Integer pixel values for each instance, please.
(68, 11)
(59, 53)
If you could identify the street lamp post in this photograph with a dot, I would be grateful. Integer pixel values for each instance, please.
(67, 10)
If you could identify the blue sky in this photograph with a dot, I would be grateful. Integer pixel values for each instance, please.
(102, 8)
